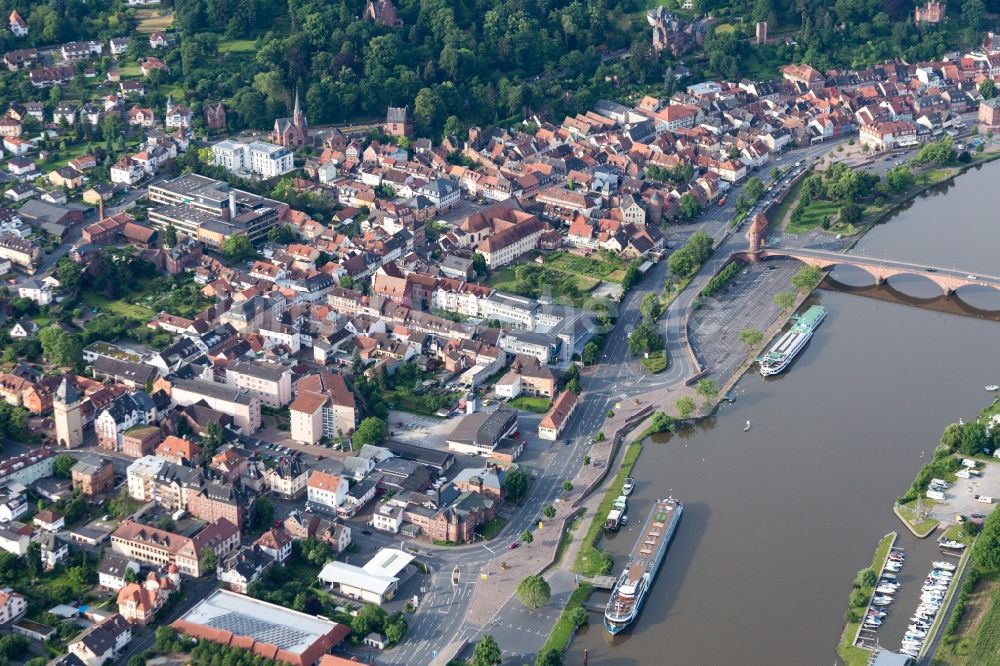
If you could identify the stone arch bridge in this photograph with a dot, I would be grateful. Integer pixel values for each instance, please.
(949, 279)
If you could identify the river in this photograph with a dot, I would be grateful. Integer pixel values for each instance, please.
(779, 519)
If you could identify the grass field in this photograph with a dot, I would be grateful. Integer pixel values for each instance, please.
(530, 403)
(591, 561)
(151, 20)
(506, 280)
(814, 215)
(917, 519)
(237, 45)
(118, 307)
(130, 72)
(606, 269)
(978, 638)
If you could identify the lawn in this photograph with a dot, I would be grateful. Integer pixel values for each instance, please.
(237, 45)
(814, 215)
(565, 627)
(546, 279)
(491, 528)
(118, 307)
(656, 362)
(605, 267)
(130, 72)
(591, 561)
(854, 656)
(531, 403)
(918, 519)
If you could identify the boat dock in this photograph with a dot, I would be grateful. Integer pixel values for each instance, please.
(603, 583)
(867, 637)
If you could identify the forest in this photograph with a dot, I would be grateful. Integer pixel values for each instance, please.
(463, 62)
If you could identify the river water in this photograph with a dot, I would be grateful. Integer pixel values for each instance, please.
(779, 519)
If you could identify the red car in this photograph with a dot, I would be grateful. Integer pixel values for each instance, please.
(512, 545)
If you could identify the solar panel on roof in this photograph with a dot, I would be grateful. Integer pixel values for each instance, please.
(261, 630)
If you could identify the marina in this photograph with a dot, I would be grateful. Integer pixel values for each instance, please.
(634, 583)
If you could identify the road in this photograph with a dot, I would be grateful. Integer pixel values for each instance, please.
(440, 620)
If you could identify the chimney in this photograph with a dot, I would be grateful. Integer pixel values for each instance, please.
(232, 205)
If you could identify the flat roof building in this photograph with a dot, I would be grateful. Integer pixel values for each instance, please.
(375, 582)
(267, 630)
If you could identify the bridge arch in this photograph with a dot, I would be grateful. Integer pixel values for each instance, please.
(880, 272)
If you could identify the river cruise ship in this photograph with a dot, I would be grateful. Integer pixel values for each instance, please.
(788, 346)
(631, 588)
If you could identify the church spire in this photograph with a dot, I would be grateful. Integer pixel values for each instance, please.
(297, 118)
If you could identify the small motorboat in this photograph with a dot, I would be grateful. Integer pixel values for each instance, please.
(628, 486)
(944, 566)
(952, 545)
(873, 621)
(747, 426)
(886, 589)
(883, 600)
(893, 567)
(897, 556)
(888, 575)
(993, 387)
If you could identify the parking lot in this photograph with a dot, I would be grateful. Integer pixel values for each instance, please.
(961, 497)
(747, 303)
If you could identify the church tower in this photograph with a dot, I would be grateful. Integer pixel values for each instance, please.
(69, 423)
(298, 119)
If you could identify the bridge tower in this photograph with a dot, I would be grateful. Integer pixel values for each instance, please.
(757, 235)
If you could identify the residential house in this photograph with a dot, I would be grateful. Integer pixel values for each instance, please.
(161, 547)
(101, 643)
(323, 407)
(93, 475)
(325, 491)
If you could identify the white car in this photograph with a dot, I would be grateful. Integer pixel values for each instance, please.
(972, 277)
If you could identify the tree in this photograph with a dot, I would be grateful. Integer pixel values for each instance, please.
(527, 536)
(61, 347)
(207, 561)
(370, 618)
(395, 628)
(262, 513)
(516, 484)
(534, 591)
(238, 248)
(707, 389)
(851, 213)
(33, 558)
(567, 486)
(632, 276)
(479, 265)
(487, 652)
(785, 300)
(69, 274)
(372, 430)
(549, 511)
(807, 277)
(212, 437)
(62, 465)
(281, 235)
(751, 337)
(690, 206)
(549, 657)
(866, 578)
(901, 178)
(685, 406)
(650, 306)
(590, 353)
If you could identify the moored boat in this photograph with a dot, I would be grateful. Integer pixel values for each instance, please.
(790, 343)
(633, 585)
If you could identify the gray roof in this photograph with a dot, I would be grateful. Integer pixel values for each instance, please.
(89, 464)
(271, 372)
(137, 372)
(67, 392)
(214, 390)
